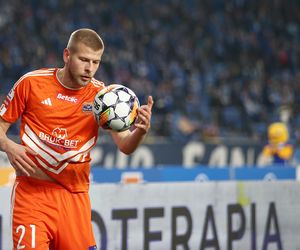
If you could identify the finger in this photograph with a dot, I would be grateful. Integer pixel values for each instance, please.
(28, 164)
(144, 118)
(144, 112)
(18, 166)
(30, 151)
(141, 126)
(150, 102)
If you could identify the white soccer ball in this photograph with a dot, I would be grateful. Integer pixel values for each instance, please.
(115, 107)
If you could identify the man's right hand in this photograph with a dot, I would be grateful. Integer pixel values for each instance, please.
(19, 159)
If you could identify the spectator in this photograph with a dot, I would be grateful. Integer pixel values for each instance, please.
(231, 63)
(278, 150)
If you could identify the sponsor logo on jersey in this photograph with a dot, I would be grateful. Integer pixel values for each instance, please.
(67, 98)
(60, 133)
(59, 138)
(47, 102)
(87, 107)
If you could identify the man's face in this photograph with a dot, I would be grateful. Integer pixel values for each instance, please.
(81, 65)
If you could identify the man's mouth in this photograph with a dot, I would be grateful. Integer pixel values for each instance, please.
(85, 78)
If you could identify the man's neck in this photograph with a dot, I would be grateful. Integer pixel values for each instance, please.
(64, 80)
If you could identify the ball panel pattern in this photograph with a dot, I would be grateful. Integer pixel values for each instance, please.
(115, 107)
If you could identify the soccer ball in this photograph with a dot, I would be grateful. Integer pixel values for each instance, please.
(115, 107)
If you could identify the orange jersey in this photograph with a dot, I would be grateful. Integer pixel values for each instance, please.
(57, 123)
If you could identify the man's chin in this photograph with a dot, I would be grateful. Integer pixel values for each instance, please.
(82, 83)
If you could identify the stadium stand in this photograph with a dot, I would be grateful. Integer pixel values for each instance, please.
(215, 68)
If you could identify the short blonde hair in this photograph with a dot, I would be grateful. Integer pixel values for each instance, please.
(88, 37)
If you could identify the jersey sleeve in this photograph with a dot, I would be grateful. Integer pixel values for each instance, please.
(15, 102)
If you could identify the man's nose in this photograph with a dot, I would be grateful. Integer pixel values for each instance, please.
(89, 66)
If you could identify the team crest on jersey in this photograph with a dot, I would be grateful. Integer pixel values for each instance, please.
(87, 107)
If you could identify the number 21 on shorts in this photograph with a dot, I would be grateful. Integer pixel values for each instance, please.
(21, 229)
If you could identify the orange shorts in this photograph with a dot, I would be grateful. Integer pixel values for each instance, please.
(47, 216)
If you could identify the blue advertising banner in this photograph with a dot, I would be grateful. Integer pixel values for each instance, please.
(198, 174)
(168, 174)
(266, 173)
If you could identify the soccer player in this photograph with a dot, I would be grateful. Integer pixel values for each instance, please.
(50, 202)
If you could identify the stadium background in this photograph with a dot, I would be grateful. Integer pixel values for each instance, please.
(219, 71)
(215, 68)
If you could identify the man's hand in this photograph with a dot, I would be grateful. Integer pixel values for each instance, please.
(128, 140)
(18, 158)
(144, 116)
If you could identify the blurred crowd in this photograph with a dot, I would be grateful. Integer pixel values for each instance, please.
(216, 69)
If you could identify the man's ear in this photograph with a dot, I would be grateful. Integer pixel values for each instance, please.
(66, 55)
